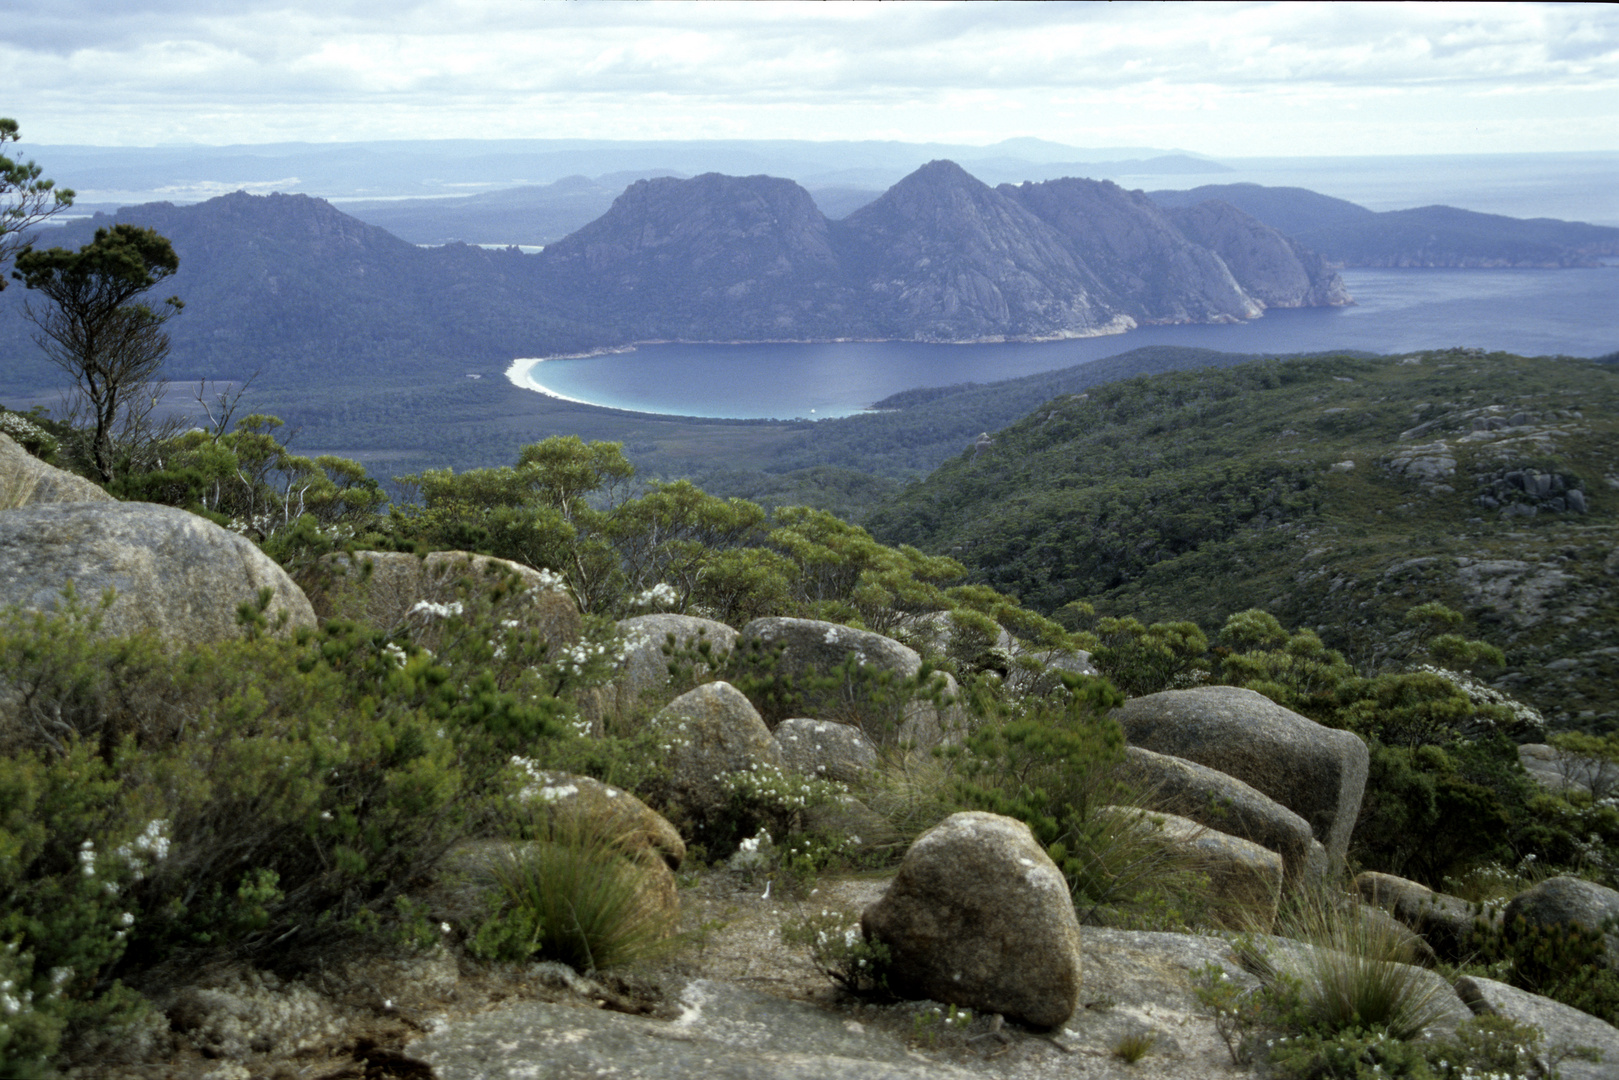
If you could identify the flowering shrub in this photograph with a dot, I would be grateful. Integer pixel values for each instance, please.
(29, 435)
(840, 950)
(158, 801)
(766, 797)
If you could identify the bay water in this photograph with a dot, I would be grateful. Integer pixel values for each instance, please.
(1531, 312)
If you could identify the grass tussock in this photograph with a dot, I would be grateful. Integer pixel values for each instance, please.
(1358, 971)
(578, 894)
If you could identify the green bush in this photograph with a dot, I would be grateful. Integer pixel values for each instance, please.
(1564, 962)
(255, 797)
(1146, 659)
(573, 893)
(1053, 762)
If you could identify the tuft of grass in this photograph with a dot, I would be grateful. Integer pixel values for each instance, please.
(1359, 971)
(577, 894)
(1133, 1047)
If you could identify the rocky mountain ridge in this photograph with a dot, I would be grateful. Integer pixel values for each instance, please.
(940, 256)
(290, 284)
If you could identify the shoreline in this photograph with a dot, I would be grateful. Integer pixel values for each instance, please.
(520, 372)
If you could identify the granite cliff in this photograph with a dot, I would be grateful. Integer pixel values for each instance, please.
(940, 256)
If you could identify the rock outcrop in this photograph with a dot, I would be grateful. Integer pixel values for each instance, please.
(1317, 772)
(1447, 923)
(1153, 272)
(616, 812)
(27, 481)
(1221, 802)
(1244, 878)
(644, 671)
(947, 257)
(173, 573)
(871, 701)
(1272, 268)
(396, 591)
(980, 916)
(1561, 1025)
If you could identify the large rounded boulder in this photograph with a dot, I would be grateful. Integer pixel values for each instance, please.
(1567, 901)
(1244, 878)
(825, 749)
(812, 645)
(1448, 925)
(1317, 772)
(27, 481)
(708, 732)
(398, 591)
(979, 916)
(172, 572)
(806, 655)
(798, 651)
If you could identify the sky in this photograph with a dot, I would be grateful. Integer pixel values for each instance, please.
(1237, 79)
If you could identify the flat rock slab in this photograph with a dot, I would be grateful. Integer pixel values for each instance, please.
(1142, 981)
(1135, 981)
(724, 1032)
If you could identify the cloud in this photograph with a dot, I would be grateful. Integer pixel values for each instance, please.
(139, 70)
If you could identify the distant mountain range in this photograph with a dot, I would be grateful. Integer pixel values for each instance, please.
(1347, 234)
(292, 285)
(1344, 233)
(438, 167)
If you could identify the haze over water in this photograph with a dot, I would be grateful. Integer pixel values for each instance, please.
(1531, 312)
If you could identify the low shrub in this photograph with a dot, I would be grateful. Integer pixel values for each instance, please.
(574, 893)
(840, 950)
(1053, 762)
(256, 797)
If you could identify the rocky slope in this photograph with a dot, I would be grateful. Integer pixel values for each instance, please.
(725, 256)
(1156, 274)
(1276, 270)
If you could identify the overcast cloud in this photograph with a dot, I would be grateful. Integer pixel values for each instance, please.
(1225, 80)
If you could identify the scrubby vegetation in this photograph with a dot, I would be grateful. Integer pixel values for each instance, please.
(1335, 493)
(268, 797)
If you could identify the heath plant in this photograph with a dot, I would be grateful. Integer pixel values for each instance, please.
(575, 891)
(840, 950)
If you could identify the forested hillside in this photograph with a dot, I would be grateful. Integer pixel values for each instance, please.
(1334, 492)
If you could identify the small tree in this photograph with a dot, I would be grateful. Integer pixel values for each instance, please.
(95, 330)
(25, 199)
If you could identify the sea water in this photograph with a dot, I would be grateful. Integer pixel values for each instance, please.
(1531, 312)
